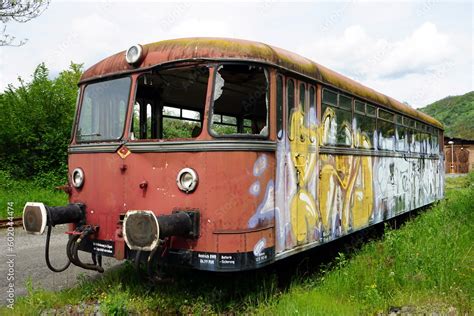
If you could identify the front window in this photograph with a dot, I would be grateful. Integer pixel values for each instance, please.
(103, 111)
(240, 101)
(170, 104)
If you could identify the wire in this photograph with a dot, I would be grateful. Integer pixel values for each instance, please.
(46, 252)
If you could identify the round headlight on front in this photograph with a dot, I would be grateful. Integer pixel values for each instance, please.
(77, 177)
(187, 180)
(134, 54)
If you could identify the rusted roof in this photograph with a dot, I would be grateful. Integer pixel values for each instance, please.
(235, 49)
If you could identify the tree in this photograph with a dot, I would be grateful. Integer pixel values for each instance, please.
(19, 11)
(36, 120)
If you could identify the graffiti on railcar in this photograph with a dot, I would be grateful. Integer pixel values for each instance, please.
(353, 191)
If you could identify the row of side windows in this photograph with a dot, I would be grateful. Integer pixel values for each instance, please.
(353, 123)
(349, 122)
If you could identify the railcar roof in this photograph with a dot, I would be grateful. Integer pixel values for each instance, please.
(235, 49)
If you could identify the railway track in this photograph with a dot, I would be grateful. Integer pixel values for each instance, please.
(17, 221)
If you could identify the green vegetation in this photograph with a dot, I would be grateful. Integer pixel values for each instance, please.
(21, 191)
(36, 123)
(424, 266)
(456, 113)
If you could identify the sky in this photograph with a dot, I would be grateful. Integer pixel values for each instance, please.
(414, 51)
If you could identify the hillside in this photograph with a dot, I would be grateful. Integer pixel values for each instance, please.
(456, 113)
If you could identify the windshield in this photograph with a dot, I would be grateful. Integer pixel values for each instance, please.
(103, 110)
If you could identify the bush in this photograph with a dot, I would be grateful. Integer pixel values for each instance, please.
(36, 123)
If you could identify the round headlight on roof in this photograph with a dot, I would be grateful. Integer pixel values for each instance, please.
(187, 180)
(134, 54)
(77, 177)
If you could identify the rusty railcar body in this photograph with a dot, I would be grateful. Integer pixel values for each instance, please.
(226, 155)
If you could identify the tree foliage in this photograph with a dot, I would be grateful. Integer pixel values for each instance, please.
(456, 113)
(18, 11)
(36, 120)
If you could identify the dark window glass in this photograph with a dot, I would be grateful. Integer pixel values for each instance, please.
(240, 93)
(302, 96)
(311, 121)
(290, 100)
(103, 110)
(359, 107)
(329, 97)
(386, 135)
(401, 137)
(371, 110)
(399, 119)
(417, 141)
(386, 115)
(410, 139)
(365, 129)
(279, 106)
(345, 102)
(434, 144)
(290, 96)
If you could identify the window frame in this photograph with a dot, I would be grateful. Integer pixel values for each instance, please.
(267, 74)
(350, 110)
(81, 104)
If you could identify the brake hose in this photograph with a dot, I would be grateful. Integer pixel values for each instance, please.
(46, 253)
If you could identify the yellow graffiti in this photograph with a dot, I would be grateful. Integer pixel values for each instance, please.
(304, 217)
(345, 187)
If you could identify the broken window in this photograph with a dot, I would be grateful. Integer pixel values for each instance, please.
(170, 103)
(240, 101)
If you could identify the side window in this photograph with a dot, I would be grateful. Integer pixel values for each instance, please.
(240, 101)
(336, 119)
(364, 121)
(401, 135)
(279, 105)
(311, 115)
(302, 96)
(410, 131)
(386, 130)
(290, 95)
(434, 142)
(290, 100)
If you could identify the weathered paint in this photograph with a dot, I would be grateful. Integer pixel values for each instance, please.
(353, 191)
(189, 49)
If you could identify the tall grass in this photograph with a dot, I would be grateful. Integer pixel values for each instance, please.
(428, 264)
(41, 189)
(425, 265)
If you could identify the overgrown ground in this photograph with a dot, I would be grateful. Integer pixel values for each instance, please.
(425, 266)
(20, 192)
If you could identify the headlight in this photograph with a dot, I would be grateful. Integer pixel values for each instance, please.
(187, 180)
(77, 177)
(134, 54)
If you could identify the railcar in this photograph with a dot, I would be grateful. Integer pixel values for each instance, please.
(227, 155)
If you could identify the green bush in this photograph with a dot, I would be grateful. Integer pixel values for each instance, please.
(36, 123)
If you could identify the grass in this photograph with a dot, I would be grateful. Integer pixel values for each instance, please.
(20, 192)
(425, 266)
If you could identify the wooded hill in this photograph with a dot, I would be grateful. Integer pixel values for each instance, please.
(456, 113)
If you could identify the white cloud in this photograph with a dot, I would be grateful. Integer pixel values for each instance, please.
(201, 27)
(362, 56)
